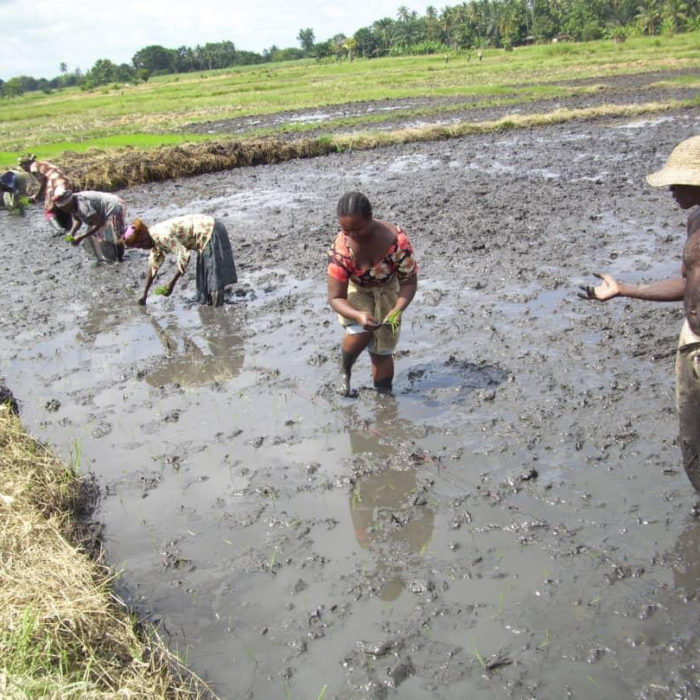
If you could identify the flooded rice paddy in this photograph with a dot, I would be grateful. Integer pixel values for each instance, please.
(513, 522)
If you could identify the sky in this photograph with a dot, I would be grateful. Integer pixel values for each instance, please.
(38, 35)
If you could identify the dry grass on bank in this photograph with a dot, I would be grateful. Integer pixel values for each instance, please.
(63, 633)
(114, 170)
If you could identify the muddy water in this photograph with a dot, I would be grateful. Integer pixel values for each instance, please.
(514, 521)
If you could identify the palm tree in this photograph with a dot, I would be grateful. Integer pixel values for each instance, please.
(675, 12)
(649, 16)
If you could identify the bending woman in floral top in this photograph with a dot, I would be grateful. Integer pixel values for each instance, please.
(50, 179)
(180, 236)
(372, 278)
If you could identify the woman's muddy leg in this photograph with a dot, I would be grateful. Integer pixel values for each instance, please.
(353, 345)
(382, 372)
(688, 404)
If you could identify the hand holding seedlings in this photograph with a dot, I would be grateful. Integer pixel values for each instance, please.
(393, 320)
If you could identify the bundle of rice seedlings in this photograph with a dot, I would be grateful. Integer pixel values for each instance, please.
(393, 320)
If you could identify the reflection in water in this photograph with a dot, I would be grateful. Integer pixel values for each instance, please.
(212, 351)
(686, 561)
(186, 361)
(103, 319)
(389, 512)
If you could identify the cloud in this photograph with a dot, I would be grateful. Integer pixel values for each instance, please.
(39, 36)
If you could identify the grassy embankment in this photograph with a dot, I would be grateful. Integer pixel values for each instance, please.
(118, 136)
(63, 633)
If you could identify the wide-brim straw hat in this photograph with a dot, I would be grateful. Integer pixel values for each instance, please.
(682, 166)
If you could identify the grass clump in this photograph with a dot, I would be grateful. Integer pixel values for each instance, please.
(63, 632)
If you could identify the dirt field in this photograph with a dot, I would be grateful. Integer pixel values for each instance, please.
(513, 522)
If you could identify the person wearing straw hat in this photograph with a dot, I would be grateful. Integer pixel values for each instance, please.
(681, 174)
(104, 215)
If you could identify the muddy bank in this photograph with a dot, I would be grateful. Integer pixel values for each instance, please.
(513, 522)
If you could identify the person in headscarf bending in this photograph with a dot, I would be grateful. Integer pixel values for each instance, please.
(105, 216)
(180, 236)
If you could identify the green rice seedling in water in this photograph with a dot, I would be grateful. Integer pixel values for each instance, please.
(76, 455)
(162, 291)
(68, 238)
(478, 656)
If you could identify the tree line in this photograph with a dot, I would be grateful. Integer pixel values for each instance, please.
(469, 25)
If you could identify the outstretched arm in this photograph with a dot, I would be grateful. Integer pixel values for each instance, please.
(672, 289)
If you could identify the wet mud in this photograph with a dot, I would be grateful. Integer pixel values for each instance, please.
(513, 522)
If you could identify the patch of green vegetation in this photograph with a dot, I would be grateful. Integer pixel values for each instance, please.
(144, 114)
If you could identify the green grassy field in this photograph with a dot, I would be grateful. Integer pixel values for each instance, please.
(157, 113)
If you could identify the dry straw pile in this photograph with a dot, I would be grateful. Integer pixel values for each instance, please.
(119, 169)
(63, 632)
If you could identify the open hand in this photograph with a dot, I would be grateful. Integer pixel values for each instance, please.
(607, 289)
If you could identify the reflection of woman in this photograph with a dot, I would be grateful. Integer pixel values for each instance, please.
(180, 236)
(372, 278)
(50, 178)
(383, 506)
(193, 366)
(103, 214)
(383, 512)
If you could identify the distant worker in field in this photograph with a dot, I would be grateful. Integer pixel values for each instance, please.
(105, 217)
(372, 278)
(682, 174)
(15, 186)
(181, 236)
(49, 178)
(480, 55)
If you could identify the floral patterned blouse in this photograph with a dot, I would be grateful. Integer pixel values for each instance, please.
(180, 236)
(398, 260)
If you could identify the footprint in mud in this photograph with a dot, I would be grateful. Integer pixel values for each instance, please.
(439, 386)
